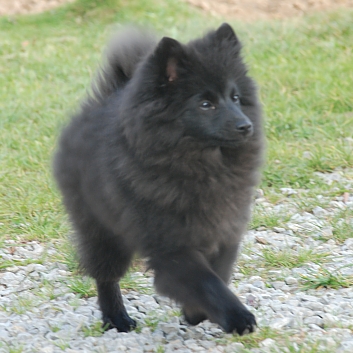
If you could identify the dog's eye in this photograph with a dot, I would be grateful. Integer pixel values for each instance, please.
(206, 105)
(235, 98)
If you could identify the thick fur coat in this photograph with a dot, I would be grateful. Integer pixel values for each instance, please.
(162, 160)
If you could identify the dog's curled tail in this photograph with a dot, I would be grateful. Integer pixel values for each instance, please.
(124, 52)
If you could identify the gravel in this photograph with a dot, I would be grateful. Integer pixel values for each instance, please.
(39, 311)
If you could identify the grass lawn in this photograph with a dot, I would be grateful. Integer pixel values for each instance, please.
(304, 68)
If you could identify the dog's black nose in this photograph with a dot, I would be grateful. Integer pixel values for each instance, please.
(244, 127)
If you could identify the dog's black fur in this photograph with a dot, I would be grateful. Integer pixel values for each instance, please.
(162, 161)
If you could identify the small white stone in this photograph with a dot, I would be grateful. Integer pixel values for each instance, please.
(169, 328)
(291, 281)
(280, 323)
(307, 155)
(268, 342)
(136, 350)
(259, 284)
(319, 211)
(349, 243)
(279, 229)
(208, 344)
(288, 191)
(346, 347)
(233, 347)
(327, 232)
(314, 305)
(317, 320)
(9, 278)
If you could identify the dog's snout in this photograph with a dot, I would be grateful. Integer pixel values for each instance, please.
(244, 127)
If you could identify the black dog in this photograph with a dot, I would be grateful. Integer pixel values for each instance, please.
(162, 161)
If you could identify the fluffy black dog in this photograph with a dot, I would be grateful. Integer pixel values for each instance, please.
(162, 160)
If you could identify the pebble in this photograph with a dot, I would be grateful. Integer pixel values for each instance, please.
(268, 342)
(280, 323)
(291, 281)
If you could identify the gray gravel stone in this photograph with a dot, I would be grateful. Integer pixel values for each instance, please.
(346, 347)
(280, 323)
(39, 312)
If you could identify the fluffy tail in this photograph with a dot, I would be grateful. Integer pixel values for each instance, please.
(124, 52)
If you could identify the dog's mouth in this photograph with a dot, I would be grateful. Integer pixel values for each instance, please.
(227, 142)
(220, 140)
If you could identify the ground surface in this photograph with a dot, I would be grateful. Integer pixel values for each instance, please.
(295, 278)
(14, 7)
(267, 9)
(245, 10)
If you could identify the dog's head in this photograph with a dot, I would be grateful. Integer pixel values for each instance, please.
(197, 91)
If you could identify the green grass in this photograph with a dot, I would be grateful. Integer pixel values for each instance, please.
(268, 219)
(154, 318)
(269, 259)
(310, 347)
(303, 68)
(63, 345)
(290, 259)
(253, 341)
(94, 330)
(152, 322)
(54, 328)
(305, 88)
(290, 342)
(326, 279)
(343, 225)
(18, 349)
(14, 262)
(83, 286)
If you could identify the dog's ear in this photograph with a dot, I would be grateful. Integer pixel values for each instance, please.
(225, 32)
(171, 58)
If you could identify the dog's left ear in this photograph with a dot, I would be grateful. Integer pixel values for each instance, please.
(225, 32)
(171, 58)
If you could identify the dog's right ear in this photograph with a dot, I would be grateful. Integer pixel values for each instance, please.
(171, 58)
(226, 32)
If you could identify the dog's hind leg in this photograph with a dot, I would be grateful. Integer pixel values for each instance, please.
(113, 310)
(193, 315)
(105, 257)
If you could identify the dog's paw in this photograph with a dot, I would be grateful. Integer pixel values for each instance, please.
(122, 322)
(242, 322)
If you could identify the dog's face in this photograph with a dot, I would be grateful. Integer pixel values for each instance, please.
(207, 80)
(216, 118)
